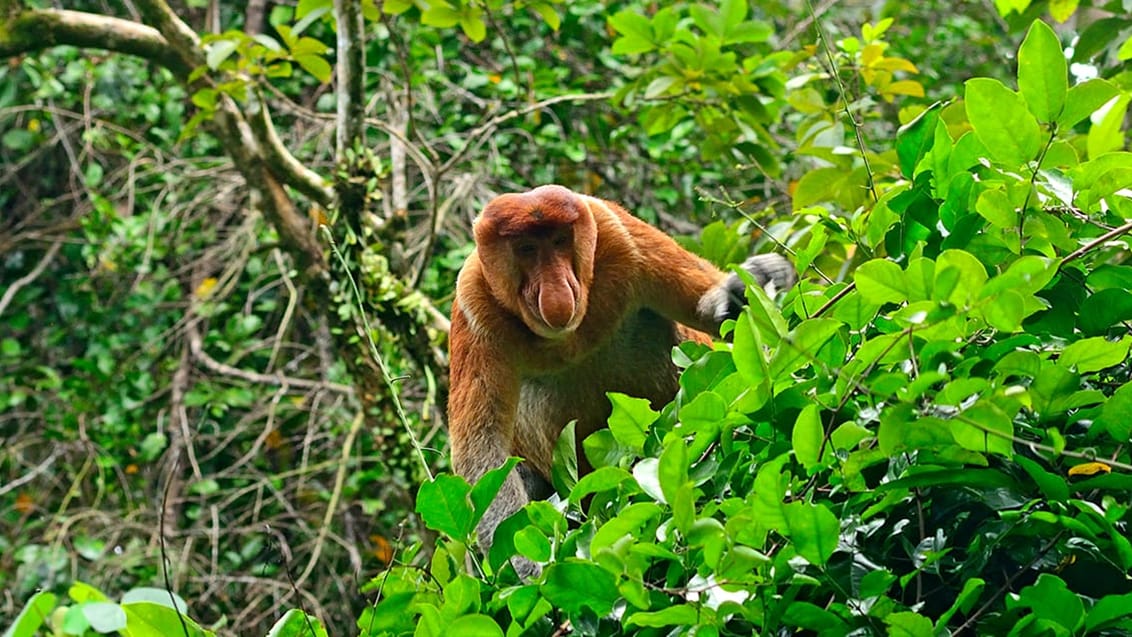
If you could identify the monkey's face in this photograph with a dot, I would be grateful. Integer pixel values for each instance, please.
(552, 301)
(538, 254)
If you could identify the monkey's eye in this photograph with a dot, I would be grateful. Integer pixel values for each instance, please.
(526, 249)
(562, 241)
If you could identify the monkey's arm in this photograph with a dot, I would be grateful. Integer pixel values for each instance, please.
(481, 413)
(689, 289)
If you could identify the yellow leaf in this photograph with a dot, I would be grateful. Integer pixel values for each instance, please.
(895, 64)
(204, 290)
(872, 53)
(1090, 469)
(1061, 10)
(33, 125)
(905, 87)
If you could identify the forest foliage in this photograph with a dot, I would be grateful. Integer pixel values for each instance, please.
(227, 260)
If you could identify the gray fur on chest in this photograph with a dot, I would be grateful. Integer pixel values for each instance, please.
(628, 364)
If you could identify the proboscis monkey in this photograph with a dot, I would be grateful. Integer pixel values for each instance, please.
(565, 298)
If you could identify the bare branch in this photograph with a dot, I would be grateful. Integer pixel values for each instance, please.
(182, 38)
(283, 163)
(37, 29)
(10, 293)
(276, 379)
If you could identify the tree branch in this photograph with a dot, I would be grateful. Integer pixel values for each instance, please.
(283, 163)
(350, 74)
(37, 29)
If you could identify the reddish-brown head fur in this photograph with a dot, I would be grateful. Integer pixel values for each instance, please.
(538, 254)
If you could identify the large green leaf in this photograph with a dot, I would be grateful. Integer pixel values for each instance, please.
(630, 420)
(881, 281)
(1002, 122)
(574, 585)
(445, 506)
(1042, 72)
(1094, 354)
(1084, 99)
(813, 529)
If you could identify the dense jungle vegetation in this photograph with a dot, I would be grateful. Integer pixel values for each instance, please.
(229, 237)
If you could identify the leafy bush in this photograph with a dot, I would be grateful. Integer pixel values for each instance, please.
(938, 446)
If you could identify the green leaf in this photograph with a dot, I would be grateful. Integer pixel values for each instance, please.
(532, 544)
(574, 585)
(770, 489)
(972, 275)
(397, 7)
(1042, 72)
(1062, 10)
(444, 506)
(473, 26)
(1103, 310)
(486, 488)
(681, 615)
(1002, 122)
(1051, 599)
(628, 521)
(974, 478)
(104, 617)
(630, 420)
(149, 619)
(984, 428)
(564, 464)
(817, 185)
(801, 348)
(601, 479)
(218, 51)
(995, 206)
(750, 360)
(19, 140)
(547, 13)
(1107, 610)
(807, 436)
(1005, 312)
(474, 626)
(317, 66)
(881, 281)
(1094, 354)
(1052, 485)
(32, 615)
(440, 14)
(915, 139)
(635, 30)
(972, 589)
(813, 529)
(909, 624)
(1108, 134)
(1116, 415)
(672, 470)
(1084, 99)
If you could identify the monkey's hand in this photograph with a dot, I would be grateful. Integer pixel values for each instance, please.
(771, 271)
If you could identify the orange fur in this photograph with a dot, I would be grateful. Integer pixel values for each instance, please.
(565, 298)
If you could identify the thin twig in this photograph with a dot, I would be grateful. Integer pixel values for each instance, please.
(254, 377)
(335, 496)
(30, 277)
(1111, 234)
